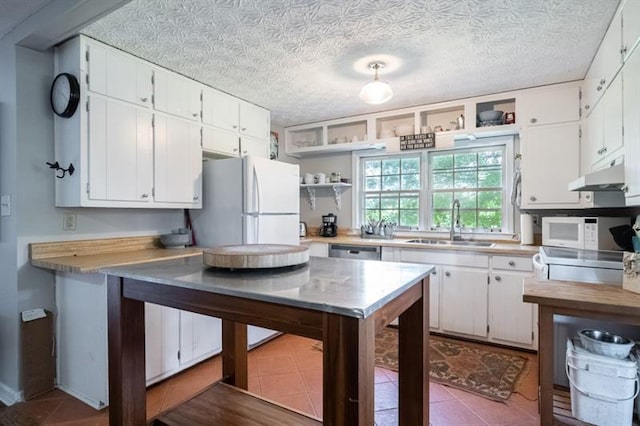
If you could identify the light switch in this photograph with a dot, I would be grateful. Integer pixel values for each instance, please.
(5, 205)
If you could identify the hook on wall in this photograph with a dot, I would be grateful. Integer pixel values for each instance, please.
(57, 167)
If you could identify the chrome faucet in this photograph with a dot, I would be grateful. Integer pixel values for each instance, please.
(455, 220)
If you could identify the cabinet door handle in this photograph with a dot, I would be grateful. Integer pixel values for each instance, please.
(245, 152)
(604, 149)
(602, 81)
(447, 274)
(434, 272)
(623, 51)
(196, 198)
(243, 129)
(625, 188)
(498, 278)
(195, 114)
(145, 99)
(145, 195)
(532, 198)
(512, 263)
(235, 149)
(533, 120)
(587, 107)
(234, 126)
(599, 88)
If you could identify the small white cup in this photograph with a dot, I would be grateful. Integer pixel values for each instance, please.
(309, 178)
(321, 178)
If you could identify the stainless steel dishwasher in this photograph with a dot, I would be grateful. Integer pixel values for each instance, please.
(348, 251)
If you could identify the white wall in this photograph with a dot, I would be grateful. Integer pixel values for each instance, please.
(26, 144)
(325, 200)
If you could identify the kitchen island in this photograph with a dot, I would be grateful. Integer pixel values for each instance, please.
(602, 301)
(343, 303)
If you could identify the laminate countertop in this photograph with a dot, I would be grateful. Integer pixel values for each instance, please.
(507, 248)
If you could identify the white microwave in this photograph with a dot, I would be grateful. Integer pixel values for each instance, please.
(585, 233)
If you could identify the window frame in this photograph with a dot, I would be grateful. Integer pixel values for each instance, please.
(424, 225)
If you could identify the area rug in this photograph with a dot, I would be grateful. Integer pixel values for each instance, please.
(479, 369)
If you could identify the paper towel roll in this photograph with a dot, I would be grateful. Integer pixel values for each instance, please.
(526, 229)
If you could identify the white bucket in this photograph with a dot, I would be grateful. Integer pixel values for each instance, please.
(603, 389)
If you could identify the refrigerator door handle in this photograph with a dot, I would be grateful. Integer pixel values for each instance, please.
(257, 192)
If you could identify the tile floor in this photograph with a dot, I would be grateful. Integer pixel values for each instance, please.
(289, 371)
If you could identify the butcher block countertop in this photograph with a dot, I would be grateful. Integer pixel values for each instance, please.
(87, 256)
(598, 298)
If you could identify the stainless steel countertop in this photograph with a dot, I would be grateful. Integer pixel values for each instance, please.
(355, 288)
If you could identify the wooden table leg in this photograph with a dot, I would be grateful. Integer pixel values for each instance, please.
(546, 360)
(234, 354)
(348, 371)
(127, 387)
(413, 361)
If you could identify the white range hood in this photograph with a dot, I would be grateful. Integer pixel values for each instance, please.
(609, 179)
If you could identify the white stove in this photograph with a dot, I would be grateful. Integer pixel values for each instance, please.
(585, 266)
(590, 266)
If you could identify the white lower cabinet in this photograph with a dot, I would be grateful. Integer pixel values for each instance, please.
(511, 321)
(200, 337)
(174, 339)
(464, 301)
(162, 341)
(318, 249)
(477, 296)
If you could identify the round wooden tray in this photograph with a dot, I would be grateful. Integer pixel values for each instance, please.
(255, 256)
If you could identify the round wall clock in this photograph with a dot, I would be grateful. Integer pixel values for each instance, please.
(65, 95)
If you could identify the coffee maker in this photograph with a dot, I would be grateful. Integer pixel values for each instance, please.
(329, 225)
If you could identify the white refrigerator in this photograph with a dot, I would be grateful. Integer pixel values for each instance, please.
(248, 200)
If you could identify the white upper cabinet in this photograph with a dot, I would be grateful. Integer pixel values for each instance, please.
(550, 160)
(550, 146)
(177, 161)
(230, 123)
(549, 106)
(605, 65)
(120, 151)
(631, 119)
(176, 95)
(254, 121)
(220, 141)
(118, 160)
(249, 146)
(220, 110)
(118, 75)
(630, 26)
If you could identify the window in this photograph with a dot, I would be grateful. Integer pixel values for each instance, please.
(475, 177)
(416, 190)
(391, 189)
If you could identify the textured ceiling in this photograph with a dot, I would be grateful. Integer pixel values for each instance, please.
(13, 12)
(305, 60)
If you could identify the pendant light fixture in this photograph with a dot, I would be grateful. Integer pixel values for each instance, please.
(376, 92)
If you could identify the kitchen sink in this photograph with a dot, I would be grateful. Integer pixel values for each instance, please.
(453, 243)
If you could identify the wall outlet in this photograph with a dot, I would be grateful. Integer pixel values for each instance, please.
(68, 222)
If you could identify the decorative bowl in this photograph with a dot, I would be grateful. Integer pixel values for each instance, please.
(490, 115)
(605, 343)
(174, 240)
(403, 130)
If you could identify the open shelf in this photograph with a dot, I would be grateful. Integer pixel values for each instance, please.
(337, 187)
